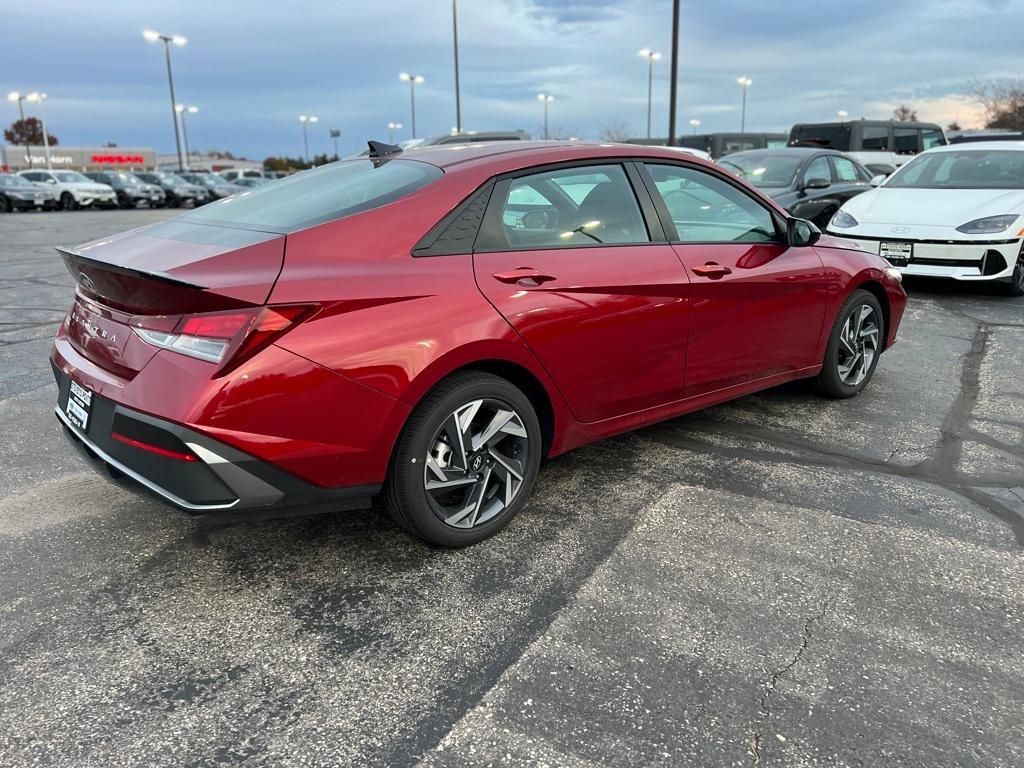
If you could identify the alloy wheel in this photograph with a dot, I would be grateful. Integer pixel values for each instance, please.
(475, 466)
(858, 345)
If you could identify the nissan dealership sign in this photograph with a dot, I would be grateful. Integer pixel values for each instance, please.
(20, 158)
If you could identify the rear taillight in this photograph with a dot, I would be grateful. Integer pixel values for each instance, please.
(224, 338)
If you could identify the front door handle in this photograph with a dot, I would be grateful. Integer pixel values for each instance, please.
(525, 276)
(712, 270)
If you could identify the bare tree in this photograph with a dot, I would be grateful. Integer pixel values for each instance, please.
(1003, 101)
(905, 113)
(615, 129)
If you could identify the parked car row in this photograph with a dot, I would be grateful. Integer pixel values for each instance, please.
(70, 190)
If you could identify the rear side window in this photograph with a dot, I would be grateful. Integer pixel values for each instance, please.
(875, 138)
(907, 140)
(845, 169)
(831, 136)
(932, 137)
(323, 194)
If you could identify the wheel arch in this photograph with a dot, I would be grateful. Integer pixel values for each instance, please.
(873, 286)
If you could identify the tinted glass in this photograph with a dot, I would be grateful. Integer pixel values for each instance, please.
(762, 169)
(932, 137)
(906, 141)
(818, 169)
(845, 169)
(967, 169)
(875, 138)
(831, 136)
(571, 207)
(322, 194)
(706, 209)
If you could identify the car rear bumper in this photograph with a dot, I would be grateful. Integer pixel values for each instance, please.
(218, 481)
(965, 260)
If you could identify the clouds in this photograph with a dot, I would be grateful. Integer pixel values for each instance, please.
(253, 67)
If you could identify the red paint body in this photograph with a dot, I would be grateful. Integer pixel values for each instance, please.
(621, 336)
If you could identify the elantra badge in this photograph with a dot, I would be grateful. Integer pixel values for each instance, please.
(86, 282)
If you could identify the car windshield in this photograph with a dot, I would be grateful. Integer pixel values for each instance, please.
(14, 181)
(70, 177)
(764, 170)
(964, 169)
(322, 194)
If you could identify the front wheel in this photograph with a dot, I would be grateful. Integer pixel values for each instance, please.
(466, 461)
(1016, 286)
(68, 202)
(854, 345)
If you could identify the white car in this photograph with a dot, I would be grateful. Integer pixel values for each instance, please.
(955, 211)
(73, 190)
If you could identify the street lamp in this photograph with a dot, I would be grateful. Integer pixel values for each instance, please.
(413, 81)
(306, 120)
(152, 37)
(20, 98)
(843, 114)
(745, 82)
(651, 56)
(455, 45)
(696, 124)
(182, 110)
(545, 98)
(41, 99)
(392, 127)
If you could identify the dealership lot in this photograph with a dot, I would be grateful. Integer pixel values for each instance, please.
(780, 580)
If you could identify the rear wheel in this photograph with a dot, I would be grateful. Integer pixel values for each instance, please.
(466, 461)
(854, 345)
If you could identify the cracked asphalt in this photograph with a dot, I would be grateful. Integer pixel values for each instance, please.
(782, 580)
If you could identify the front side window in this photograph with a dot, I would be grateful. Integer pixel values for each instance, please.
(706, 209)
(570, 207)
(818, 169)
(932, 137)
(875, 138)
(963, 169)
(323, 194)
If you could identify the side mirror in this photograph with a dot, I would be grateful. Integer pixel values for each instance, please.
(801, 233)
(817, 183)
(876, 181)
(51, 181)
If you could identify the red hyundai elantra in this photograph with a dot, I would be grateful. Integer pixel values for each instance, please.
(431, 324)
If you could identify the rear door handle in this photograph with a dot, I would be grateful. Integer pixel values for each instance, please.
(711, 269)
(525, 276)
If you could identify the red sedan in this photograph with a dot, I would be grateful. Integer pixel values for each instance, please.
(430, 324)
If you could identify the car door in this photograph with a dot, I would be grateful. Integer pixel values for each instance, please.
(815, 203)
(585, 276)
(757, 305)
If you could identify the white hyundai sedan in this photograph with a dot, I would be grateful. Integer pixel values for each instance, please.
(954, 211)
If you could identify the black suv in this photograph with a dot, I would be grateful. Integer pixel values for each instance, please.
(130, 189)
(177, 190)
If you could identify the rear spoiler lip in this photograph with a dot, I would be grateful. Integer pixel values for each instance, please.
(70, 255)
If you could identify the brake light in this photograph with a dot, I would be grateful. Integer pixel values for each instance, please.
(225, 338)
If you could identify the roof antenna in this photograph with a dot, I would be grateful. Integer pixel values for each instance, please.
(380, 149)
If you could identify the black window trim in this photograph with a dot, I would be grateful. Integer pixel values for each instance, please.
(666, 218)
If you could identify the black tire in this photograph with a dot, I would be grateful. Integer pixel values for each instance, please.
(5, 205)
(68, 202)
(1016, 284)
(830, 381)
(406, 497)
(124, 202)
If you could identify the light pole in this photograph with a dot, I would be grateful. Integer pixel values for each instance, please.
(41, 99)
(20, 98)
(455, 41)
(545, 98)
(696, 124)
(413, 81)
(335, 134)
(651, 56)
(745, 82)
(306, 120)
(842, 114)
(152, 37)
(392, 127)
(675, 75)
(182, 110)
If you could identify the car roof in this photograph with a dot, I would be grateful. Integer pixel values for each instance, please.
(787, 151)
(978, 146)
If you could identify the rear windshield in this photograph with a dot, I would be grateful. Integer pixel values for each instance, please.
(831, 136)
(322, 194)
(967, 169)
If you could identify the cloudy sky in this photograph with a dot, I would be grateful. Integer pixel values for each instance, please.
(253, 66)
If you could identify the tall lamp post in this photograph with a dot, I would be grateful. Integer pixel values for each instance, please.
(545, 99)
(413, 81)
(182, 110)
(696, 124)
(745, 82)
(455, 42)
(40, 98)
(651, 56)
(20, 98)
(306, 120)
(152, 37)
(392, 127)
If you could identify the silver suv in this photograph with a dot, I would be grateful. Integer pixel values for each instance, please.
(73, 190)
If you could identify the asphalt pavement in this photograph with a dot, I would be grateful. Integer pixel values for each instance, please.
(780, 581)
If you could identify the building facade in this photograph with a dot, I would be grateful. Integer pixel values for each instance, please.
(22, 158)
